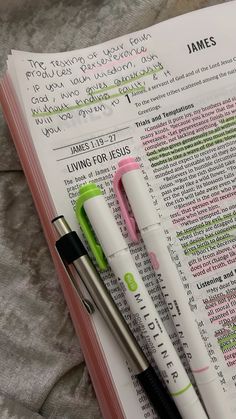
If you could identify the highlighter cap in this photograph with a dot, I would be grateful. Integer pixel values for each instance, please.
(98, 223)
(129, 179)
(87, 192)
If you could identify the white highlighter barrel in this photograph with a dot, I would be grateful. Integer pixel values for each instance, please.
(143, 308)
(145, 214)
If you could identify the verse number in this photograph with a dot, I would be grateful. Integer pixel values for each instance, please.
(97, 142)
(112, 138)
(128, 98)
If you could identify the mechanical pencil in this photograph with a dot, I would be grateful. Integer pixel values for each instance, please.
(72, 252)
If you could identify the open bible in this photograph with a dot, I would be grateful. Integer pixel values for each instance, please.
(165, 95)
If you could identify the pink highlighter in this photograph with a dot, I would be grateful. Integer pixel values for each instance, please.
(146, 219)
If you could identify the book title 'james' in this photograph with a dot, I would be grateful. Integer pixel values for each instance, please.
(201, 44)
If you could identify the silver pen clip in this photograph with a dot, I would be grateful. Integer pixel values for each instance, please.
(64, 231)
(87, 304)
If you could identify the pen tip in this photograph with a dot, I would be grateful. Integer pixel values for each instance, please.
(61, 225)
(57, 218)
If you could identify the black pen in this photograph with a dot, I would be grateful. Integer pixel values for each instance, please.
(72, 252)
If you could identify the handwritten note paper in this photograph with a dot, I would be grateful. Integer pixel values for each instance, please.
(83, 84)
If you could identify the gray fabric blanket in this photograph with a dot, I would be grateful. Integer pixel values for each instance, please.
(42, 370)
